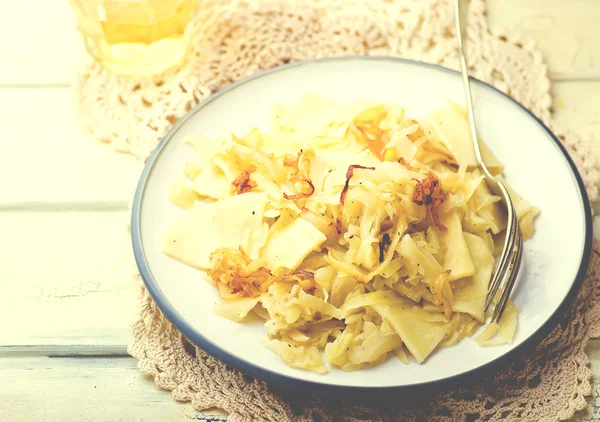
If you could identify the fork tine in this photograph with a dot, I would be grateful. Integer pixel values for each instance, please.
(499, 273)
(515, 264)
(503, 265)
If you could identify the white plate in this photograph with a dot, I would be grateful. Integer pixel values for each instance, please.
(537, 166)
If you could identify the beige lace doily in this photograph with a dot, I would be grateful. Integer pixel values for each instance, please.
(234, 39)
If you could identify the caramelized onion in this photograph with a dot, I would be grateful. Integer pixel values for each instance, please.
(306, 190)
(349, 174)
(234, 277)
(243, 183)
(307, 187)
(429, 192)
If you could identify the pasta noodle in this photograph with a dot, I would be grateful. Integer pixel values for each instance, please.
(355, 233)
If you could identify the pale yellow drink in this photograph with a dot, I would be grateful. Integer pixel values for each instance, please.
(136, 37)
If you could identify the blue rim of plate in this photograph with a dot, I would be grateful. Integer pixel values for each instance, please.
(332, 389)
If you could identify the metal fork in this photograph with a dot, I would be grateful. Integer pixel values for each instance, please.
(507, 269)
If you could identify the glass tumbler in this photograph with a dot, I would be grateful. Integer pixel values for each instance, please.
(136, 37)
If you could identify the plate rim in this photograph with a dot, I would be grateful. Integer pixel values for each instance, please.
(251, 369)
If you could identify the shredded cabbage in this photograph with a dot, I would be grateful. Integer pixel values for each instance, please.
(383, 232)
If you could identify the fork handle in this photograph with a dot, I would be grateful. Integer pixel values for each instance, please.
(461, 11)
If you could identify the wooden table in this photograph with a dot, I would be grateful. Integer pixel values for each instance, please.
(67, 296)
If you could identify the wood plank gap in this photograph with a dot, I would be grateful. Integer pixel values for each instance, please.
(64, 351)
(29, 85)
(574, 76)
(61, 206)
(70, 356)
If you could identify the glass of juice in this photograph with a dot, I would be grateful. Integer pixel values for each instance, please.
(136, 37)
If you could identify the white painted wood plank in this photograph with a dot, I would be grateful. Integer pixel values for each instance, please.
(567, 32)
(103, 389)
(47, 157)
(67, 279)
(577, 106)
(41, 46)
(39, 43)
(57, 390)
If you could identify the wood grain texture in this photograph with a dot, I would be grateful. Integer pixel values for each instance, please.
(70, 278)
(85, 389)
(566, 32)
(50, 159)
(39, 43)
(577, 106)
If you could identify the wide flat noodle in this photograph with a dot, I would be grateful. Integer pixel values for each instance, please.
(289, 246)
(452, 127)
(235, 309)
(470, 298)
(502, 332)
(229, 223)
(421, 337)
(457, 258)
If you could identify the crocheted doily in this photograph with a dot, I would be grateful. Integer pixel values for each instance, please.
(234, 39)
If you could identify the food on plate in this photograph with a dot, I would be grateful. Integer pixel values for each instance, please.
(357, 233)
